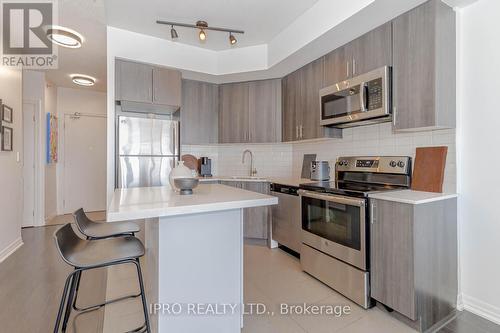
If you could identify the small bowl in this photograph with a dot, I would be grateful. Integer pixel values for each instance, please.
(186, 185)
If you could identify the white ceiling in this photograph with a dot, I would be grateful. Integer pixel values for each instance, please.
(260, 19)
(88, 18)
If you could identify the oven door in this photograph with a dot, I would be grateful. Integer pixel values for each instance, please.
(335, 225)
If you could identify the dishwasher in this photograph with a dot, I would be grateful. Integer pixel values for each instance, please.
(286, 217)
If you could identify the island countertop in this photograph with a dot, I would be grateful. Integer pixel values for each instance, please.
(149, 202)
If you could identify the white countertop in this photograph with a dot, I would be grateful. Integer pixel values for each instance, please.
(148, 202)
(278, 180)
(412, 197)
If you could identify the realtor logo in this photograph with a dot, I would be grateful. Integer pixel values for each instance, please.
(24, 40)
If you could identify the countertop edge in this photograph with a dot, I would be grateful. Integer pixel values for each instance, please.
(393, 196)
(189, 210)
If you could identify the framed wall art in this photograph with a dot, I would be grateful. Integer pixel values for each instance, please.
(7, 138)
(6, 113)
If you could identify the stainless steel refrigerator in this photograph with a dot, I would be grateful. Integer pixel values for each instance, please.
(147, 150)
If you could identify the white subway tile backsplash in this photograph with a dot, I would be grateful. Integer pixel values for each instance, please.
(285, 159)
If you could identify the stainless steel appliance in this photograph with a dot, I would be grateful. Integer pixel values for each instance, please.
(364, 99)
(320, 170)
(335, 228)
(205, 167)
(286, 220)
(147, 150)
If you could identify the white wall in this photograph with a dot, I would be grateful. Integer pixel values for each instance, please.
(10, 169)
(69, 101)
(479, 140)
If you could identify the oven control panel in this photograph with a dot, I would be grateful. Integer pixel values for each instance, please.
(379, 164)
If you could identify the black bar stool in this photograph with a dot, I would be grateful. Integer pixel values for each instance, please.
(95, 230)
(92, 254)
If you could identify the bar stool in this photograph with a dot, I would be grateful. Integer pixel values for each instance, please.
(85, 255)
(95, 230)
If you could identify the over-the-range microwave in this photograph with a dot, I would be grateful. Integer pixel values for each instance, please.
(362, 100)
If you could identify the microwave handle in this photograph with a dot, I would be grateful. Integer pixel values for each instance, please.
(362, 96)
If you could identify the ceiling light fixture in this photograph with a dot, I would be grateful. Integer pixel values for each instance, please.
(65, 37)
(83, 80)
(232, 39)
(173, 32)
(203, 27)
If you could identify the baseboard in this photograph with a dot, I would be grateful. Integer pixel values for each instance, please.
(482, 309)
(5, 253)
(460, 302)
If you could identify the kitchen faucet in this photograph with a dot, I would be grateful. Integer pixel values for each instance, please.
(253, 171)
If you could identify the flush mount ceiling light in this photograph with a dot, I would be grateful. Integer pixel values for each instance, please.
(203, 27)
(83, 80)
(65, 37)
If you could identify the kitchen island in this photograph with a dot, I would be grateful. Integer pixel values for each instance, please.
(194, 247)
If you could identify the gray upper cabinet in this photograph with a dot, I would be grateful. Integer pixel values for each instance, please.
(166, 86)
(337, 66)
(243, 106)
(424, 68)
(413, 258)
(233, 113)
(143, 86)
(364, 54)
(372, 50)
(134, 82)
(301, 113)
(199, 112)
(264, 111)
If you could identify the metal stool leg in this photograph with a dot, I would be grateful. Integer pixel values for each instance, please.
(78, 279)
(143, 295)
(63, 302)
(72, 291)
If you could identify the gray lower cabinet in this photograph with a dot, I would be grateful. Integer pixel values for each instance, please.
(255, 220)
(413, 258)
(199, 112)
(424, 69)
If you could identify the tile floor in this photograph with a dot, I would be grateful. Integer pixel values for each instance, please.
(32, 279)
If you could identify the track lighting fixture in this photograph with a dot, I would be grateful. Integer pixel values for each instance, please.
(203, 27)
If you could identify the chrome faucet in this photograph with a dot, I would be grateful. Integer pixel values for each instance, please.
(253, 171)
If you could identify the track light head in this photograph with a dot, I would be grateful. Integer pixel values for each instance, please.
(173, 33)
(202, 35)
(232, 39)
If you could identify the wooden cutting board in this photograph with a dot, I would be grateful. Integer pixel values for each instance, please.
(428, 172)
(190, 161)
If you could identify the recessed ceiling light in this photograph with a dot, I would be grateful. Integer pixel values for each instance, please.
(83, 80)
(65, 37)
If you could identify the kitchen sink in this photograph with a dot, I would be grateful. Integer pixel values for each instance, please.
(248, 177)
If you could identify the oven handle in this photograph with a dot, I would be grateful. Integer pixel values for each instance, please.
(333, 198)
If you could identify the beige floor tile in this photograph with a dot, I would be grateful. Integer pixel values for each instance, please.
(377, 321)
(328, 323)
(270, 324)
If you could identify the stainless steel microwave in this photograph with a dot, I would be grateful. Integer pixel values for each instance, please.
(362, 100)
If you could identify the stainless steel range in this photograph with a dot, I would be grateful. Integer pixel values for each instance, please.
(335, 227)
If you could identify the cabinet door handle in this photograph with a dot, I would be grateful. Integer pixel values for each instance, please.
(297, 132)
(348, 74)
(301, 131)
(353, 66)
(372, 213)
(394, 109)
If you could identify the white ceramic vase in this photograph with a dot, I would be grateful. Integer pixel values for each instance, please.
(180, 171)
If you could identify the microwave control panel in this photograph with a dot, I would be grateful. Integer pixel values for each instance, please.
(375, 95)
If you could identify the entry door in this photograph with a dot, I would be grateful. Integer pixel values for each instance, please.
(84, 163)
(29, 176)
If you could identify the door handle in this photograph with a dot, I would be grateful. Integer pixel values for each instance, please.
(301, 131)
(353, 66)
(348, 74)
(297, 132)
(372, 213)
(362, 96)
